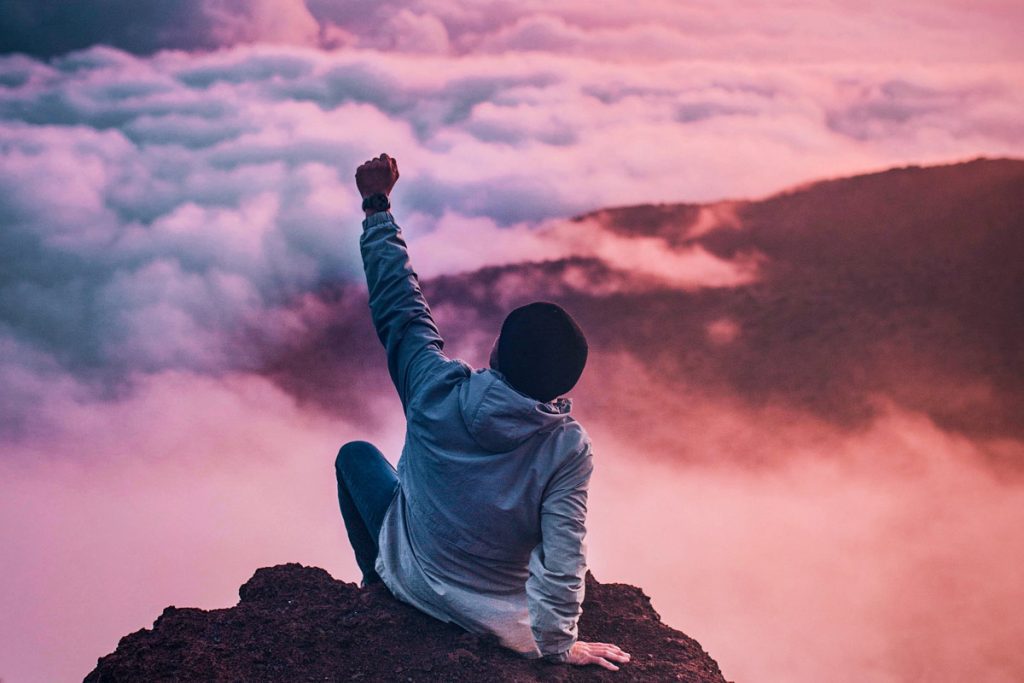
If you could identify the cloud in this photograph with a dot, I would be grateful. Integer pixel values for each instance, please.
(897, 108)
(266, 21)
(453, 243)
(125, 507)
(412, 32)
(158, 209)
(850, 560)
(804, 32)
(50, 27)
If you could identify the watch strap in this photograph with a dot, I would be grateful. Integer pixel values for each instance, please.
(376, 202)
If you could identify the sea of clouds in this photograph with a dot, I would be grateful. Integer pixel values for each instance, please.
(151, 205)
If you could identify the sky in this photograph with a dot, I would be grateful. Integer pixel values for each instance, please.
(185, 340)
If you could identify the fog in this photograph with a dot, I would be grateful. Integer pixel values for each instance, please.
(885, 555)
(888, 554)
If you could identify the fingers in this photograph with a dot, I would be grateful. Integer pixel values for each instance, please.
(609, 650)
(603, 662)
(390, 161)
(610, 646)
(602, 654)
(382, 160)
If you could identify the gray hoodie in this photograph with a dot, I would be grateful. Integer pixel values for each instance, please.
(486, 529)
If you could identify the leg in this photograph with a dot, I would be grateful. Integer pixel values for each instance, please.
(366, 486)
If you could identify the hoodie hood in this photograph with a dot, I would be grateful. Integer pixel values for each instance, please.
(498, 417)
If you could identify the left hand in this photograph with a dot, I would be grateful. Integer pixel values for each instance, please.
(602, 654)
(377, 175)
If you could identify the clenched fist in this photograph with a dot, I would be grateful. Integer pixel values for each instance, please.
(377, 175)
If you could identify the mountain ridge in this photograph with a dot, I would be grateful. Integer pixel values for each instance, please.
(800, 187)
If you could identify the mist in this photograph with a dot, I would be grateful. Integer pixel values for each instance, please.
(884, 555)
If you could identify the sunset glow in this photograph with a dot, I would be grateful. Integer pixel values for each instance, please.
(805, 406)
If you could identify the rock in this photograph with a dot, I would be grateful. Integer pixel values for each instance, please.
(296, 623)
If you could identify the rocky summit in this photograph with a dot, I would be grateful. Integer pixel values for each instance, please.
(297, 623)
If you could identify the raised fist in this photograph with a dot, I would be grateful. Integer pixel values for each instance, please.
(377, 175)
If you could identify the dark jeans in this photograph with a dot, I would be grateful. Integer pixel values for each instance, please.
(366, 485)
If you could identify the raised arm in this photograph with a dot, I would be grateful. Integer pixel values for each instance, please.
(400, 313)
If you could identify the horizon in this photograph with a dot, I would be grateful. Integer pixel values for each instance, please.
(805, 369)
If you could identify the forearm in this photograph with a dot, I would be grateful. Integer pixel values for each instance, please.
(555, 592)
(558, 565)
(397, 304)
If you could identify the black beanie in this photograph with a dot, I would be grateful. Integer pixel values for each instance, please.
(541, 350)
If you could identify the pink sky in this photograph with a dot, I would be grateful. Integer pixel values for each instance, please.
(170, 211)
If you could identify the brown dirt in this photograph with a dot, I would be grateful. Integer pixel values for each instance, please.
(296, 623)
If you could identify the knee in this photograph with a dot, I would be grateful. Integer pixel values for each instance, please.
(353, 450)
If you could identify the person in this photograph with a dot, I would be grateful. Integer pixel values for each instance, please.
(483, 523)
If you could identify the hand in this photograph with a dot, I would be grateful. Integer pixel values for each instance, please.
(377, 175)
(582, 654)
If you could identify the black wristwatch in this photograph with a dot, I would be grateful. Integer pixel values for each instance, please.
(376, 202)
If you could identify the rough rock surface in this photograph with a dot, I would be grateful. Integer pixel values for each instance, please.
(296, 623)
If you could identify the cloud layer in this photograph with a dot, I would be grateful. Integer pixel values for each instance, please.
(156, 207)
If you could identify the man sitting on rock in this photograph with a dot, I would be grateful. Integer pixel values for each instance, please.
(483, 524)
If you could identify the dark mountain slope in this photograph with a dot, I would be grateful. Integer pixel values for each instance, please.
(900, 287)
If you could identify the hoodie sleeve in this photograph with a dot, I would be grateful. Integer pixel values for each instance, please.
(558, 565)
(400, 313)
